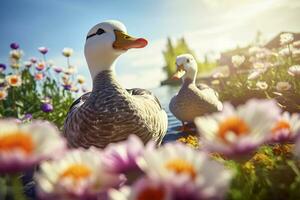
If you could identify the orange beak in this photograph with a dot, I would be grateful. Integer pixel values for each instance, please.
(179, 73)
(125, 42)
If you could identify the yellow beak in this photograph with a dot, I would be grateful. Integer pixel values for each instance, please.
(125, 42)
(179, 73)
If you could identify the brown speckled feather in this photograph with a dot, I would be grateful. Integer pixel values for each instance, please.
(110, 113)
(192, 101)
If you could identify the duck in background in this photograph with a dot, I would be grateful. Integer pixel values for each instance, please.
(110, 113)
(192, 100)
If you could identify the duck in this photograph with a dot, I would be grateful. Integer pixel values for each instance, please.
(193, 99)
(110, 113)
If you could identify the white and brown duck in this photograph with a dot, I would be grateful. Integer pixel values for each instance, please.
(192, 100)
(110, 113)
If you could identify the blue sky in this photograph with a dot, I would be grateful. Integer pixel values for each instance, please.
(208, 26)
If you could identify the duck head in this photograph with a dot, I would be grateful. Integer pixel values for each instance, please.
(186, 67)
(105, 42)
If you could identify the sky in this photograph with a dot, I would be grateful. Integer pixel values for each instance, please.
(209, 26)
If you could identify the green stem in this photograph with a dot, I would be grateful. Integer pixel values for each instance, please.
(17, 188)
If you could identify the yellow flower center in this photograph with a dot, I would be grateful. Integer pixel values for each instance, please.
(17, 141)
(151, 193)
(14, 80)
(234, 125)
(281, 125)
(180, 166)
(77, 172)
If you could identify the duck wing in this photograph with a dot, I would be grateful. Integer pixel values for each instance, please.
(210, 95)
(78, 102)
(145, 93)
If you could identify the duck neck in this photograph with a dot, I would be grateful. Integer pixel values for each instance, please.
(106, 80)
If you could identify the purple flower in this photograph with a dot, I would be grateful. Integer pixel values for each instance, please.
(47, 107)
(67, 86)
(33, 60)
(27, 116)
(2, 67)
(58, 69)
(43, 50)
(14, 45)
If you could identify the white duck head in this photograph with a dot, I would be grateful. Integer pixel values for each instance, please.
(105, 42)
(186, 67)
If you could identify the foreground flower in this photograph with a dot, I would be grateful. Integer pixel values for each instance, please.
(189, 172)
(262, 85)
(283, 86)
(24, 145)
(3, 94)
(235, 132)
(47, 107)
(43, 50)
(286, 38)
(286, 128)
(67, 52)
(237, 60)
(2, 67)
(149, 189)
(14, 80)
(294, 70)
(79, 174)
(14, 45)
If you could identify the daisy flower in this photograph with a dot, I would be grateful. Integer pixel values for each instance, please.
(286, 128)
(283, 86)
(79, 174)
(80, 79)
(146, 188)
(235, 132)
(22, 146)
(286, 38)
(189, 172)
(43, 50)
(256, 73)
(237, 60)
(294, 70)
(40, 66)
(15, 54)
(14, 80)
(67, 52)
(3, 94)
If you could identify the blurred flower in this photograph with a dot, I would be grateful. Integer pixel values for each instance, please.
(262, 85)
(294, 70)
(256, 73)
(43, 50)
(33, 60)
(121, 157)
(258, 65)
(40, 66)
(3, 94)
(74, 88)
(67, 52)
(235, 132)
(146, 189)
(27, 117)
(2, 67)
(27, 64)
(22, 146)
(286, 128)
(57, 69)
(296, 53)
(190, 172)
(286, 38)
(70, 70)
(15, 54)
(14, 80)
(218, 75)
(14, 45)
(237, 60)
(190, 140)
(38, 76)
(284, 52)
(79, 174)
(80, 79)
(283, 86)
(50, 63)
(15, 64)
(67, 86)
(47, 107)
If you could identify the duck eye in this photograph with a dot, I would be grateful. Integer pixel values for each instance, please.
(100, 31)
(188, 60)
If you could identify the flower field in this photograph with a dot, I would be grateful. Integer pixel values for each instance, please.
(249, 150)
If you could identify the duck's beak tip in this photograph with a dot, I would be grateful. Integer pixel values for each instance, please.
(140, 43)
